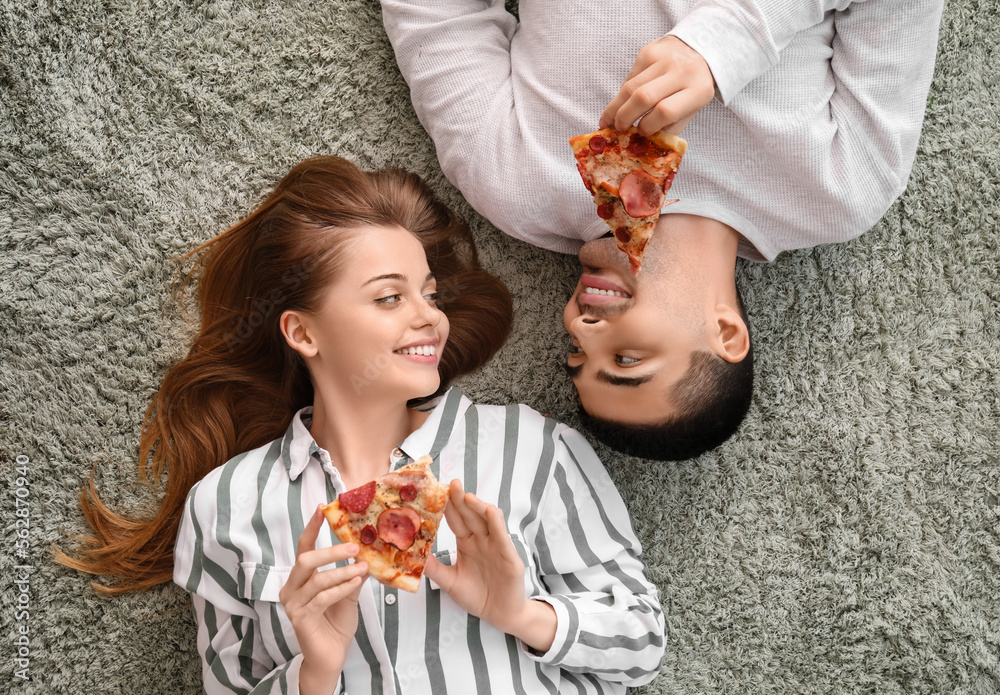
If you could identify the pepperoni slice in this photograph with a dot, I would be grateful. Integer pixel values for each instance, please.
(605, 210)
(638, 145)
(407, 493)
(397, 526)
(597, 144)
(586, 181)
(641, 195)
(669, 180)
(623, 235)
(358, 499)
(368, 535)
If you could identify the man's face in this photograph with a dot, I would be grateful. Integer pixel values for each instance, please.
(632, 343)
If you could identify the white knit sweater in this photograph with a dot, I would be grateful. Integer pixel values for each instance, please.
(810, 138)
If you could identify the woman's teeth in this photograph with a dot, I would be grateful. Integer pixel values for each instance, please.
(613, 293)
(419, 350)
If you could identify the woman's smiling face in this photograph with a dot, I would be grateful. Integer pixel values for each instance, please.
(378, 330)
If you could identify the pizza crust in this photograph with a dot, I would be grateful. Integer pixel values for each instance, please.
(624, 154)
(401, 569)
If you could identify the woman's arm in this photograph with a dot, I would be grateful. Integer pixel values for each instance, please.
(610, 622)
(230, 642)
(234, 659)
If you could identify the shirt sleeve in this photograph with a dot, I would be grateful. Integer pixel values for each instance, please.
(847, 150)
(234, 658)
(455, 57)
(609, 620)
(740, 39)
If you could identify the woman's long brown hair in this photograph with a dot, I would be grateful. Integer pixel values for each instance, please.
(240, 383)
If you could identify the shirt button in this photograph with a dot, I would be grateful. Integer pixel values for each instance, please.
(397, 452)
(390, 598)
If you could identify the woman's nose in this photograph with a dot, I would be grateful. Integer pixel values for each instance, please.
(429, 313)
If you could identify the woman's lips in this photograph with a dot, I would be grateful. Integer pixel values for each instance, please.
(424, 352)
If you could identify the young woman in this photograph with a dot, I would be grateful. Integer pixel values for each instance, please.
(333, 319)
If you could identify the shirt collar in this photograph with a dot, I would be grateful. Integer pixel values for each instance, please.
(448, 414)
(298, 445)
(431, 437)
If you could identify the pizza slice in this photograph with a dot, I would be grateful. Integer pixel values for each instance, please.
(394, 520)
(629, 176)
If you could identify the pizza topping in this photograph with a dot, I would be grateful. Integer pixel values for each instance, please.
(408, 493)
(623, 235)
(368, 535)
(597, 144)
(641, 195)
(398, 526)
(586, 181)
(358, 499)
(638, 145)
(605, 210)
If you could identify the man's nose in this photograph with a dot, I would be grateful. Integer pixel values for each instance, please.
(588, 324)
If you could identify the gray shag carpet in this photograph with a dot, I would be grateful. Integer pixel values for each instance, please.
(847, 541)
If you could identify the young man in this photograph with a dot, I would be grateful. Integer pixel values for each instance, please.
(802, 121)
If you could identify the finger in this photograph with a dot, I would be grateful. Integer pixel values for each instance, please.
(307, 543)
(308, 562)
(680, 107)
(651, 89)
(319, 582)
(442, 574)
(499, 532)
(455, 519)
(608, 116)
(307, 539)
(678, 127)
(328, 597)
(473, 521)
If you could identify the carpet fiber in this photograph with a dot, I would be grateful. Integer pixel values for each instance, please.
(848, 541)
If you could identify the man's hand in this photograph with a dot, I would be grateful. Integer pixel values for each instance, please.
(487, 579)
(669, 83)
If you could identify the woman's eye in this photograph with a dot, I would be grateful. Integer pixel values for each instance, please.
(574, 350)
(623, 360)
(433, 297)
(391, 299)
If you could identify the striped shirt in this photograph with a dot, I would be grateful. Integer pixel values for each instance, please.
(237, 540)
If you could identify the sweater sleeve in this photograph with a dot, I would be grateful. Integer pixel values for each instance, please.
(841, 148)
(610, 623)
(740, 39)
(234, 658)
(455, 57)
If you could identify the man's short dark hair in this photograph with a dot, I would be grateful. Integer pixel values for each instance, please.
(712, 399)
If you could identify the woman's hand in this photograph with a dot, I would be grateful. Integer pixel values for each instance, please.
(669, 83)
(487, 579)
(322, 607)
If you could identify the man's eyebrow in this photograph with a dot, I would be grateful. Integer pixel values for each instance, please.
(394, 276)
(631, 381)
(609, 378)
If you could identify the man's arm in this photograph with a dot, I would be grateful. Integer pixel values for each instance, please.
(741, 39)
(455, 57)
(883, 63)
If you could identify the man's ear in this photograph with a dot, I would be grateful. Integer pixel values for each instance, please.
(296, 327)
(731, 339)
